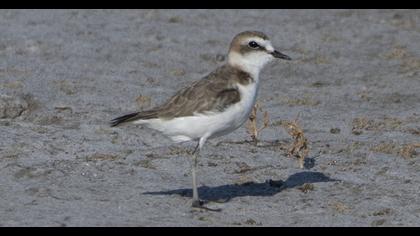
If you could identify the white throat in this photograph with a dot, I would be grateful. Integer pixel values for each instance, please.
(252, 63)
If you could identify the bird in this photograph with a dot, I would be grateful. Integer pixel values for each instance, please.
(214, 105)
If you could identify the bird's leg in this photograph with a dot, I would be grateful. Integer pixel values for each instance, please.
(196, 201)
(196, 149)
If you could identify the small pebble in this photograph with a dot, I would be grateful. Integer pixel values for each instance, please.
(335, 130)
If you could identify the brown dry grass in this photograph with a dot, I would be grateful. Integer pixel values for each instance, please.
(146, 163)
(413, 131)
(303, 100)
(387, 123)
(66, 86)
(12, 84)
(102, 157)
(408, 60)
(144, 102)
(340, 207)
(409, 150)
(178, 72)
(252, 126)
(403, 21)
(299, 148)
(305, 188)
(406, 151)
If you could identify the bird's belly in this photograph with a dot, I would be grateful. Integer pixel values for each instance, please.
(230, 123)
(194, 127)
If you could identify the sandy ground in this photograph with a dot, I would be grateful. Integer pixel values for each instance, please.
(65, 73)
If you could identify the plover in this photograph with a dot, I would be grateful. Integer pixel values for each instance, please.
(215, 105)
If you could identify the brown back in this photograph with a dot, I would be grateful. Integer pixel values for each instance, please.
(213, 93)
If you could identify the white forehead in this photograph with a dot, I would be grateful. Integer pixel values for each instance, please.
(264, 43)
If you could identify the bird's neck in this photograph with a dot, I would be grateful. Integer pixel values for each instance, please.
(248, 65)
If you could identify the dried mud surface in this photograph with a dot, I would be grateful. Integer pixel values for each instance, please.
(355, 80)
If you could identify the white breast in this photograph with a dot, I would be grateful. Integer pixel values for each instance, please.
(247, 102)
(233, 117)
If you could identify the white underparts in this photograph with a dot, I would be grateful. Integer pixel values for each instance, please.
(210, 125)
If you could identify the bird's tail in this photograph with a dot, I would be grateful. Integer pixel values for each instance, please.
(145, 115)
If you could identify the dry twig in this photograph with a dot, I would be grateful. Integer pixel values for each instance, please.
(299, 148)
(252, 127)
(409, 150)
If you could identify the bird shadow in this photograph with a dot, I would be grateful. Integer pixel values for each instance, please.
(225, 193)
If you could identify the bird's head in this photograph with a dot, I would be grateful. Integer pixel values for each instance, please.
(251, 51)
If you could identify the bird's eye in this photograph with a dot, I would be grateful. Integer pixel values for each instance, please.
(253, 44)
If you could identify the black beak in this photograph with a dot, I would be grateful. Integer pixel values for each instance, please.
(280, 55)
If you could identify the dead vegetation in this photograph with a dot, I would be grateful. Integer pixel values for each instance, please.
(403, 21)
(252, 124)
(178, 72)
(303, 100)
(382, 212)
(102, 157)
(251, 221)
(18, 84)
(66, 86)
(340, 207)
(306, 187)
(408, 61)
(243, 167)
(299, 148)
(32, 172)
(12, 107)
(386, 124)
(409, 150)
(406, 150)
(146, 163)
(144, 102)
(414, 131)
(365, 94)
(378, 222)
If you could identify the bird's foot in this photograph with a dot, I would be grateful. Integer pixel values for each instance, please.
(200, 205)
